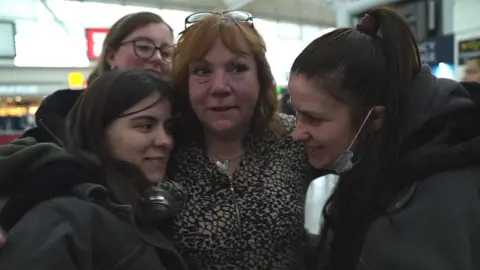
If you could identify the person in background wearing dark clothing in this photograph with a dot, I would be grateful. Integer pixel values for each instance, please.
(138, 40)
(285, 103)
(67, 209)
(50, 116)
(472, 70)
(410, 198)
(474, 90)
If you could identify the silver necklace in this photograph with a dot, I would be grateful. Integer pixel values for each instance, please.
(222, 163)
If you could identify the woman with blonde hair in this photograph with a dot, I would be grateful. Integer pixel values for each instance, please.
(242, 171)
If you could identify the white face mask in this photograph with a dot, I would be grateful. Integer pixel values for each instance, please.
(318, 193)
(321, 189)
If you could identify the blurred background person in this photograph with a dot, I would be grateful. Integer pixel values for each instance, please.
(472, 70)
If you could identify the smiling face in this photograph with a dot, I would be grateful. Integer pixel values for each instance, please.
(144, 138)
(223, 90)
(137, 47)
(323, 123)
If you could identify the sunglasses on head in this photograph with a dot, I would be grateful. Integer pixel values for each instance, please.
(238, 16)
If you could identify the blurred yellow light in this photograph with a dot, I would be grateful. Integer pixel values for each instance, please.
(76, 80)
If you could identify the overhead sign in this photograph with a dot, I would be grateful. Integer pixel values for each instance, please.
(437, 50)
(468, 49)
(95, 38)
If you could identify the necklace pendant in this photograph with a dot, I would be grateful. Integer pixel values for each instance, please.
(223, 166)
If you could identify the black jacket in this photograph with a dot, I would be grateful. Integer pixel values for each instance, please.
(434, 224)
(62, 217)
(51, 114)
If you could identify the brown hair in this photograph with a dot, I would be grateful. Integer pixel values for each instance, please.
(117, 33)
(241, 38)
(104, 101)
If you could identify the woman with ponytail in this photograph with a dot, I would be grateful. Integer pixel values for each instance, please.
(404, 145)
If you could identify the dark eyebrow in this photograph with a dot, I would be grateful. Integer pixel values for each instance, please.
(164, 44)
(310, 113)
(143, 38)
(204, 61)
(144, 117)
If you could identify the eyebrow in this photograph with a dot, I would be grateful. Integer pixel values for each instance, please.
(144, 117)
(151, 40)
(151, 118)
(205, 61)
(310, 113)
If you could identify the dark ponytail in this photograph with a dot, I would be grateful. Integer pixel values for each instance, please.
(371, 65)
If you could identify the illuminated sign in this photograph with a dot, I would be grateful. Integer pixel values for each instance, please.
(468, 49)
(76, 80)
(18, 89)
(95, 38)
(434, 50)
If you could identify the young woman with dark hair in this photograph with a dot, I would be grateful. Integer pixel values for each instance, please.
(97, 204)
(409, 196)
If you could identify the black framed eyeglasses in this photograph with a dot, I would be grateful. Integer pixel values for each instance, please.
(146, 49)
(236, 15)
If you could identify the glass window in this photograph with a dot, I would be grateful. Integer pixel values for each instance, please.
(49, 44)
(175, 18)
(10, 9)
(289, 31)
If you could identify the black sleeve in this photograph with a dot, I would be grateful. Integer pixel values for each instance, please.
(44, 240)
(46, 182)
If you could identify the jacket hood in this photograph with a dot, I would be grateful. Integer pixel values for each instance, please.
(441, 130)
(58, 104)
(431, 97)
(23, 157)
(32, 172)
(51, 114)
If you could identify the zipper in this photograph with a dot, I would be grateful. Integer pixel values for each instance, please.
(237, 207)
(224, 169)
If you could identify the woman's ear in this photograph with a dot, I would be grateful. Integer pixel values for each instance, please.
(378, 113)
(110, 58)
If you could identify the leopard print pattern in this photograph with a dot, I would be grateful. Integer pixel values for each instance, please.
(268, 192)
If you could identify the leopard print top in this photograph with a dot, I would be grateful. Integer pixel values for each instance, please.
(258, 225)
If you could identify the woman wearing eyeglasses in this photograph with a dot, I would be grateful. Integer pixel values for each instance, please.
(138, 40)
(242, 171)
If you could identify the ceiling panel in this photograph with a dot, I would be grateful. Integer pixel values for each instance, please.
(296, 11)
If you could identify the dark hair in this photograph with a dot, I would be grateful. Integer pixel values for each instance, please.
(116, 35)
(239, 37)
(102, 103)
(372, 64)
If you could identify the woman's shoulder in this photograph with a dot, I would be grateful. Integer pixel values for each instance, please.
(68, 209)
(288, 122)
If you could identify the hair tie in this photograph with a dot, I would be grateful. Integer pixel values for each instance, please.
(367, 25)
